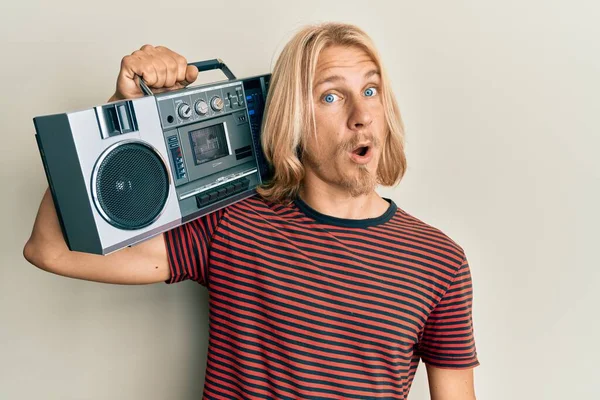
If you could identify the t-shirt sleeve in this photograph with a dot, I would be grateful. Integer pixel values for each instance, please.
(188, 248)
(448, 339)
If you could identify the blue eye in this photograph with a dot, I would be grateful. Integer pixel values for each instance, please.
(371, 92)
(330, 98)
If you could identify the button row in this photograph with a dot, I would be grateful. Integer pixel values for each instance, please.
(206, 198)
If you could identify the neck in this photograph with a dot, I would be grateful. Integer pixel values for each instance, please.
(338, 203)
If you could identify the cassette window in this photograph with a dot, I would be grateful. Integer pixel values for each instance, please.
(209, 143)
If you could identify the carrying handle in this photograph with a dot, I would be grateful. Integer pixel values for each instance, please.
(206, 65)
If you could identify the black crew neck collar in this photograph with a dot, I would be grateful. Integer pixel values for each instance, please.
(350, 223)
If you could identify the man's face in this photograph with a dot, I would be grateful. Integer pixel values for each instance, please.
(349, 119)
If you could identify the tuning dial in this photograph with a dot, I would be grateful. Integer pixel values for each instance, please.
(184, 110)
(216, 103)
(201, 107)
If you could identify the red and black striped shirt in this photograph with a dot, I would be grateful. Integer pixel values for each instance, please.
(309, 306)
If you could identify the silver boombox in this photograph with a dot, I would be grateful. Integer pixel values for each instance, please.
(125, 171)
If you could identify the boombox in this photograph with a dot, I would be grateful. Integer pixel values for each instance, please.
(128, 170)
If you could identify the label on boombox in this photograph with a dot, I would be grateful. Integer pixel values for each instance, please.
(125, 171)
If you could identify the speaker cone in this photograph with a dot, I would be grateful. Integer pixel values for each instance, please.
(131, 185)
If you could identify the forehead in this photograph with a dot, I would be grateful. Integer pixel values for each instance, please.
(337, 60)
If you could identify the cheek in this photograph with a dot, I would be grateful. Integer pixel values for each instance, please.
(330, 128)
(378, 113)
(330, 117)
(379, 122)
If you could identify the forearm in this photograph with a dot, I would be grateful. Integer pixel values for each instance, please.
(47, 250)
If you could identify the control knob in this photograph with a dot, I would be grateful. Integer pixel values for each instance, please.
(201, 107)
(184, 110)
(216, 103)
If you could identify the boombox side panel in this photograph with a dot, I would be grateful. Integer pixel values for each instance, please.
(90, 146)
(67, 183)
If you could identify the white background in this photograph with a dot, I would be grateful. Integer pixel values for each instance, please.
(500, 102)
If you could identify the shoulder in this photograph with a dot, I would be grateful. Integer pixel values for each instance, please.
(427, 236)
(259, 207)
(249, 204)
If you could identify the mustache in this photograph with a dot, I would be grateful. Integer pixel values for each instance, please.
(353, 142)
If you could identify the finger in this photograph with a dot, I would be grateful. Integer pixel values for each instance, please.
(161, 72)
(181, 67)
(179, 60)
(191, 74)
(139, 63)
(181, 85)
(171, 70)
(131, 72)
(176, 86)
(147, 48)
(150, 76)
(148, 73)
(153, 65)
(127, 67)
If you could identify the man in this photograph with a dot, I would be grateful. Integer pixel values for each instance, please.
(319, 287)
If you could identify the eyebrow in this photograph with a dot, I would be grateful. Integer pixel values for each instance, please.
(337, 78)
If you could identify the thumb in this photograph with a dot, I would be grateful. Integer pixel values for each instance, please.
(191, 74)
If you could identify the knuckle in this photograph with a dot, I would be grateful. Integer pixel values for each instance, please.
(126, 61)
(147, 72)
(170, 79)
(161, 67)
(147, 69)
(181, 60)
(147, 47)
(170, 63)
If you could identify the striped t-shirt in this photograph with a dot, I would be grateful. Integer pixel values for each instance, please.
(309, 306)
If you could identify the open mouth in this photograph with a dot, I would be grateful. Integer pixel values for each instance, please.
(362, 154)
(361, 151)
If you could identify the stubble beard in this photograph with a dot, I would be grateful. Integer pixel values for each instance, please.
(359, 181)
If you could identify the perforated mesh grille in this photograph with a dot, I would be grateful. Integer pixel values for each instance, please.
(132, 186)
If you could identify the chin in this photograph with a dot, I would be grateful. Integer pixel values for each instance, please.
(361, 183)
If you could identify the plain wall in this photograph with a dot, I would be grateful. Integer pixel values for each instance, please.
(500, 102)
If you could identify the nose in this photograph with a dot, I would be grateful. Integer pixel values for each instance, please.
(360, 115)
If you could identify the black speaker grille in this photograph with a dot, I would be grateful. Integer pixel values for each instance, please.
(132, 186)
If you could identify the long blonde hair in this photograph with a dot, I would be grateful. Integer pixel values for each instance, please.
(289, 111)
